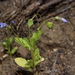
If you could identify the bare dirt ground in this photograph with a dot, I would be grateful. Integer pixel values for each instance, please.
(56, 45)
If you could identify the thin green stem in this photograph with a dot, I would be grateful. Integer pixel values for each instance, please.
(28, 32)
(32, 55)
(36, 15)
(10, 53)
(42, 24)
(8, 31)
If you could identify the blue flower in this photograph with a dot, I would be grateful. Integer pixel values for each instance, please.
(62, 19)
(3, 25)
(12, 21)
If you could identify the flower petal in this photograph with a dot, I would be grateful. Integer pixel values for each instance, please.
(2, 25)
(64, 20)
(12, 21)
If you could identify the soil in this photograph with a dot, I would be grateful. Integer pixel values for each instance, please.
(57, 46)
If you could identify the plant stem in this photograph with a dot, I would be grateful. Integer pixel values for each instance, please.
(36, 15)
(10, 53)
(41, 25)
(32, 55)
(8, 32)
(28, 32)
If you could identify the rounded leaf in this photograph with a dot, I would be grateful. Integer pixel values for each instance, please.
(20, 61)
(30, 22)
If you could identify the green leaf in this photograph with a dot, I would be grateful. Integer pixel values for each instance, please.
(32, 42)
(24, 63)
(14, 50)
(19, 41)
(37, 35)
(37, 56)
(39, 32)
(49, 24)
(5, 45)
(30, 22)
(21, 62)
(24, 42)
(40, 60)
(9, 40)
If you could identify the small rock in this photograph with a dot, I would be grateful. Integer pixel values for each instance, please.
(55, 49)
(23, 51)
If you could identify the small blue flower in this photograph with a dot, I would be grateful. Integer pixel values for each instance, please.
(62, 19)
(12, 21)
(3, 25)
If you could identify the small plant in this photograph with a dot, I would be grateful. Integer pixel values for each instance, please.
(30, 44)
(8, 41)
(7, 46)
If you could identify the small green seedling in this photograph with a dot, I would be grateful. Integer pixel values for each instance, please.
(7, 45)
(30, 44)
